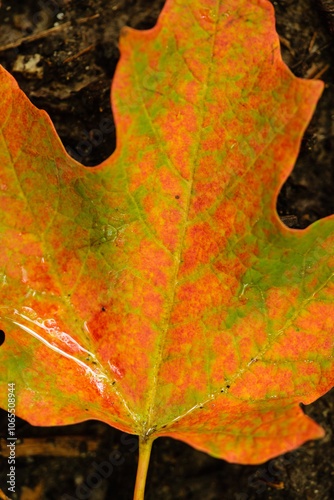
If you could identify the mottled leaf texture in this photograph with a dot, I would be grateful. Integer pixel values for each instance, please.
(159, 291)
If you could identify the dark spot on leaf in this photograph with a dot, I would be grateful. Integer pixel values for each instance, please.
(228, 386)
(2, 337)
(114, 383)
(177, 197)
(164, 426)
(86, 409)
(103, 309)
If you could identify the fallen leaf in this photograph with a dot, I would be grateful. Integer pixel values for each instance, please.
(159, 291)
(32, 493)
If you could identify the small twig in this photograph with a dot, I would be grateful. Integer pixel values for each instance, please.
(75, 56)
(320, 73)
(45, 33)
(286, 44)
(278, 486)
(85, 19)
(63, 446)
(310, 47)
(35, 36)
(312, 54)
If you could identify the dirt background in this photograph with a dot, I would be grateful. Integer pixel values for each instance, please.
(63, 54)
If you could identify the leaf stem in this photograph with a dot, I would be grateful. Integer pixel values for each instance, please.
(145, 447)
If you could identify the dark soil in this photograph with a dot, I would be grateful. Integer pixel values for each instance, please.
(70, 73)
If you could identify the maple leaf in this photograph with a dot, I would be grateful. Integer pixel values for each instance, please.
(159, 292)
